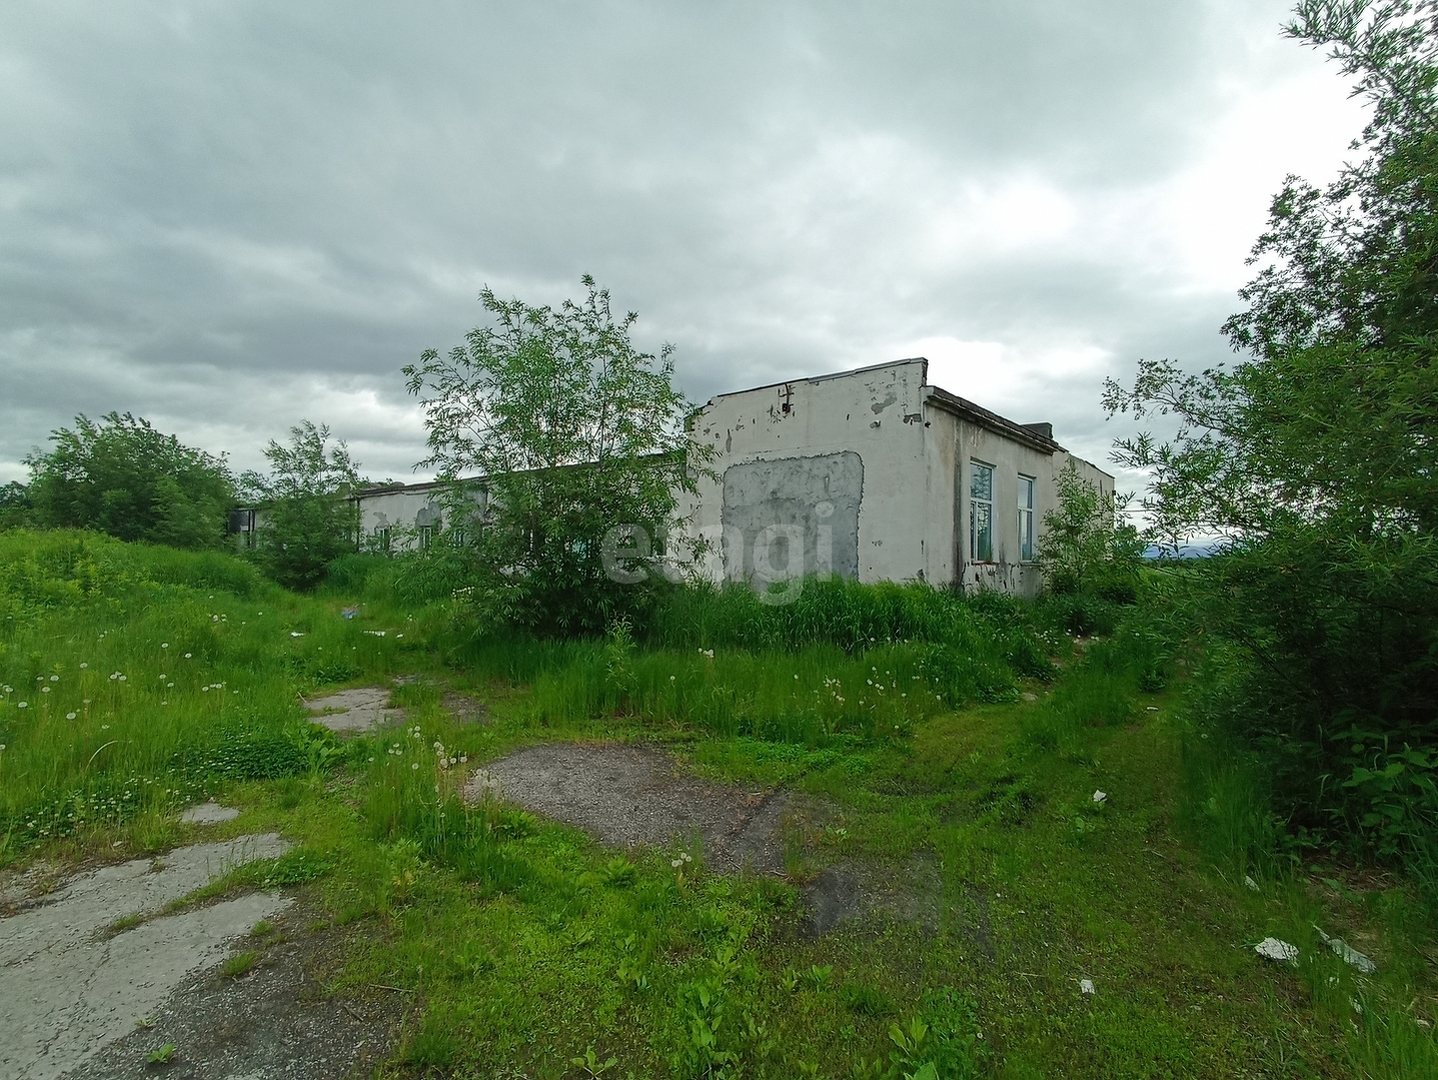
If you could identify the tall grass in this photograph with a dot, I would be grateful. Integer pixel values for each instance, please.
(135, 677)
(842, 661)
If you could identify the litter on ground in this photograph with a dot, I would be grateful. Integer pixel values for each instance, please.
(1270, 948)
(1348, 953)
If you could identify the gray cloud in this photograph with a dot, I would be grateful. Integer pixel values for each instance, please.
(229, 217)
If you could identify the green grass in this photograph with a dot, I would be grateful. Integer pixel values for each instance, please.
(241, 964)
(522, 947)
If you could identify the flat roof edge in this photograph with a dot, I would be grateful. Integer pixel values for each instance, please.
(825, 378)
(987, 418)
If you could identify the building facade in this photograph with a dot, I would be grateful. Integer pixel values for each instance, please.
(871, 474)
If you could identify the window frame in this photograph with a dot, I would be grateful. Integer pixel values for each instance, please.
(1027, 484)
(975, 502)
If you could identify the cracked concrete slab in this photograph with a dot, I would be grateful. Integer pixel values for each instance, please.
(209, 813)
(629, 796)
(363, 709)
(68, 988)
(278, 1022)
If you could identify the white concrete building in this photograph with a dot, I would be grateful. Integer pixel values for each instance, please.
(877, 475)
(872, 473)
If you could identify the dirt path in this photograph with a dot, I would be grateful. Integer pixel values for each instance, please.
(69, 986)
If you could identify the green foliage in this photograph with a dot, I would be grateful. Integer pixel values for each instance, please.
(16, 509)
(88, 625)
(412, 805)
(1314, 455)
(121, 476)
(307, 519)
(990, 631)
(1085, 548)
(239, 965)
(575, 437)
(161, 1055)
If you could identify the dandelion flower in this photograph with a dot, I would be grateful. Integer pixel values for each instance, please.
(164, 644)
(187, 656)
(54, 678)
(44, 689)
(104, 727)
(69, 716)
(414, 764)
(122, 678)
(23, 705)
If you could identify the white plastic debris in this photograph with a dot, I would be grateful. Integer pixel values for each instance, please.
(1348, 953)
(296, 633)
(1100, 796)
(1270, 948)
(1086, 987)
(1250, 883)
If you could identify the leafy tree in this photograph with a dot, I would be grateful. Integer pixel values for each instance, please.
(1316, 457)
(307, 518)
(15, 506)
(1085, 546)
(572, 433)
(122, 477)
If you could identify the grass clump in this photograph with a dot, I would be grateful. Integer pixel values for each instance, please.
(240, 964)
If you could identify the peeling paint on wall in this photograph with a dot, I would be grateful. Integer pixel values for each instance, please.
(792, 516)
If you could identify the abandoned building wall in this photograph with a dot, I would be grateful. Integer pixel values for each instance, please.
(868, 474)
(1001, 466)
(942, 554)
(396, 519)
(1088, 472)
(817, 474)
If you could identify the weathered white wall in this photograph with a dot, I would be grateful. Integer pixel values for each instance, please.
(781, 461)
(401, 510)
(1007, 571)
(780, 470)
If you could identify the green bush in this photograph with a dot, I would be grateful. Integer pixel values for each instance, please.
(121, 476)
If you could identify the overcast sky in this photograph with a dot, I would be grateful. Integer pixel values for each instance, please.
(227, 217)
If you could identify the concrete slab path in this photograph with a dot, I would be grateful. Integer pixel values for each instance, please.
(68, 988)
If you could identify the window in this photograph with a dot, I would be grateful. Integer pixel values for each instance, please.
(981, 512)
(1026, 517)
(426, 535)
